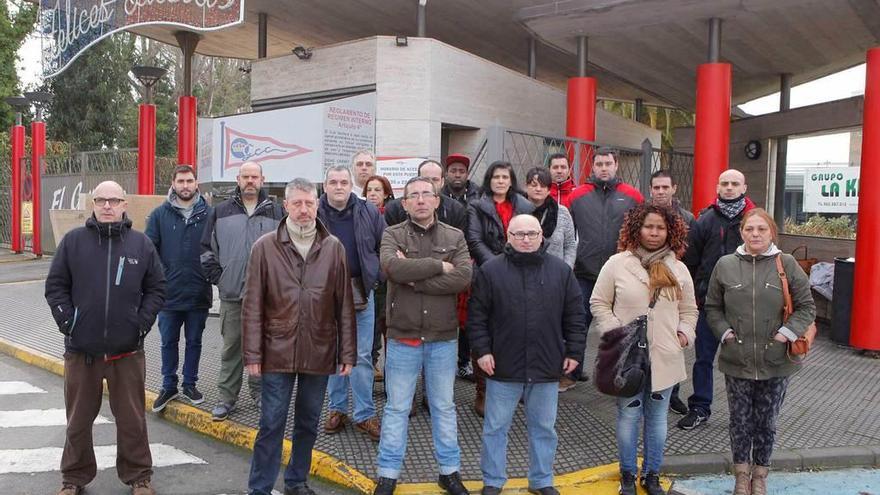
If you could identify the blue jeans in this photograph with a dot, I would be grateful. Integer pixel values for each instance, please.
(540, 403)
(587, 291)
(277, 389)
(706, 346)
(402, 366)
(193, 322)
(652, 407)
(361, 378)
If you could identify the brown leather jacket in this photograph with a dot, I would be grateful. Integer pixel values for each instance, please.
(298, 317)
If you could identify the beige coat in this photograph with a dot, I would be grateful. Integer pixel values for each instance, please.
(621, 295)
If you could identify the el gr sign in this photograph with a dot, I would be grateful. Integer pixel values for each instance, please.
(831, 190)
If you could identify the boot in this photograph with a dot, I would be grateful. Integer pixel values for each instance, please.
(480, 384)
(759, 480)
(743, 479)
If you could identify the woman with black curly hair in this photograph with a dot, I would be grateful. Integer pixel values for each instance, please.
(646, 269)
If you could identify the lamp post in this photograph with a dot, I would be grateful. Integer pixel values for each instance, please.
(17, 143)
(148, 77)
(38, 150)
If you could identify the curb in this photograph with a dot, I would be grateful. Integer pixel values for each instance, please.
(783, 460)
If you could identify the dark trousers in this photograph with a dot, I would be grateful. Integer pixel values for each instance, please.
(83, 392)
(193, 323)
(277, 389)
(380, 327)
(587, 291)
(705, 346)
(754, 406)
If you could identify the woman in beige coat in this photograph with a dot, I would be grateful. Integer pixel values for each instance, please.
(652, 239)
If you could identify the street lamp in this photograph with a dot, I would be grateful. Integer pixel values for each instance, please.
(148, 77)
(19, 103)
(38, 150)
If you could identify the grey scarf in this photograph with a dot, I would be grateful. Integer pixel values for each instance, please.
(730, 208)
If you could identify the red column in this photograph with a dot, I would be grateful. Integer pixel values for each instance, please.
(38, 150)
(17, 143)
(146, 148)
(712, 140)
(187, 120)
(865, 326)
(580, 119)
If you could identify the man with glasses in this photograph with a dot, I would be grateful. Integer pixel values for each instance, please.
(231, 230)
(427, 264)
(363, 166)
(104, 289)
(526, 322)
(359, 226)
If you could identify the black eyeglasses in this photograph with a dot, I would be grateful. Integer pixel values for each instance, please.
(522, 235)
(114, 202)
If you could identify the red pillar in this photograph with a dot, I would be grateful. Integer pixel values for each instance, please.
(712, 140)
(17, 143)
(580, 120)
(38, 150)
(865, 326)
(187, 120)
(146, 148)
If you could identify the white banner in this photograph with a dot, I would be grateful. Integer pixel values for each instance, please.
(290, 142)
(398, 171)
(831, 190)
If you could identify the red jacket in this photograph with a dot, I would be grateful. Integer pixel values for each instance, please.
(561, 192)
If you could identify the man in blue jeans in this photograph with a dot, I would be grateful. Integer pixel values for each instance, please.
(176, 228)
(427, 264)
(297, 329)
(359, 226)
(714, 234)
(527, 324)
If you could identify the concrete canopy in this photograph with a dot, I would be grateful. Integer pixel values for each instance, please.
(645, 49)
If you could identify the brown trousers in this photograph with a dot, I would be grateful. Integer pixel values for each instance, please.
(83, 392)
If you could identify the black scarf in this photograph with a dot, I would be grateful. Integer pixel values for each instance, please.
(547, 214)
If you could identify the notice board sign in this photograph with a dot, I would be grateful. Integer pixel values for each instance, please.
(831, 190)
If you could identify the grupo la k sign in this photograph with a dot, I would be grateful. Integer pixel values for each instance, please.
(69, 27)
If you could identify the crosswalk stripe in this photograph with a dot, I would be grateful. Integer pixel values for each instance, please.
(14, 388)
(49, 458)
(39, 417)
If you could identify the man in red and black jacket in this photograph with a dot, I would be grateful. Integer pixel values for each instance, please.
(563, 184)
(597, 208)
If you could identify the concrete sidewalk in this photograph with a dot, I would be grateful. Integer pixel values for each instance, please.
(831, 416)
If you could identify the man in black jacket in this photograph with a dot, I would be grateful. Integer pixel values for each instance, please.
(104, 288)
(526, 321)
(714, 234)
(458, 187)
(231, 230)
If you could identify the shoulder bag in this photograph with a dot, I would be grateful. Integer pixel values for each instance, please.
(622, 365)
(797, 350)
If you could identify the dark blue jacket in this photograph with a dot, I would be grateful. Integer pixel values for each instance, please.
(178, 242)
(369, 225)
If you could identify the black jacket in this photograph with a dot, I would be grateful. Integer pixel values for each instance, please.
(710, 237)
(105, 288)
(471, 193)
(450, 212)
(177, 239)
(526, 309)
(485, 234)
(228, 237)
(368, 228)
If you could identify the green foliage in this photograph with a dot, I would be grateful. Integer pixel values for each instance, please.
(819, 226)
(13, 30)
(663, 119)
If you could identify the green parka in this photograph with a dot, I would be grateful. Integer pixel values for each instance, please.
(745, 295)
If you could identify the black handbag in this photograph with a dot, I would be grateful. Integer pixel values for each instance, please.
(623, 365)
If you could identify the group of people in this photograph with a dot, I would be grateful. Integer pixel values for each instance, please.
(498, 284)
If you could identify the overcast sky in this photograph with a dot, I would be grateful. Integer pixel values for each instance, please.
(832, 148)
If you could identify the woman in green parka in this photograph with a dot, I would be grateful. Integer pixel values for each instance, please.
(744, 308)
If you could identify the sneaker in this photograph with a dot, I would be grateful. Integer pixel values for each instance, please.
(142, 487)
(299, 490)
(547, 490)
(371, 427)
(165, 396)
(385, 486)
(566, 384)
(70, 489)
(490, 490)
(192, 394)
(466, 372)
(651, 483)
(336, 421)
(452, 484)
(677, 406)
(627, 484)
(693, 419)
(222, 411)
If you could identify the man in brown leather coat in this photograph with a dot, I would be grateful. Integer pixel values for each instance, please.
(298, 327)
